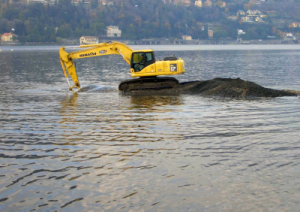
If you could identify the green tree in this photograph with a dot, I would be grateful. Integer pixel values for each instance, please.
(97, 28)
(64, 31)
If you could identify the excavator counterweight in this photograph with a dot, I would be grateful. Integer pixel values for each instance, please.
(142, 64)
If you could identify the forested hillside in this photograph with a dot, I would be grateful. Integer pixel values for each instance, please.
(138, 19)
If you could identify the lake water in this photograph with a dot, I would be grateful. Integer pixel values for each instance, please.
(99, 150)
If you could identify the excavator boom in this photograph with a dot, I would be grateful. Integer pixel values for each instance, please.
(95, 50)
(142, 62)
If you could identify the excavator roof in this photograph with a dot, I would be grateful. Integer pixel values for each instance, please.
(143, 50)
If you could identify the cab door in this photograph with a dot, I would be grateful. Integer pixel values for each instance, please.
(143, 62)
(149, 62)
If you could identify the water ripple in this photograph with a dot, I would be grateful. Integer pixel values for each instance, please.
(98, 149)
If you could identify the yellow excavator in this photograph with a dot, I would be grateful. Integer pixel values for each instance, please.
(142, 64)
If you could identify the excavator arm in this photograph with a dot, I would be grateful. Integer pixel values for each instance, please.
(94, 50)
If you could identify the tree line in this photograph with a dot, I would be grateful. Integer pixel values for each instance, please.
(138, 19)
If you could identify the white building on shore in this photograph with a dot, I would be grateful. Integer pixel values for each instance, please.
(187, 37)
(88, 40)
(113, 31)
(198, 3)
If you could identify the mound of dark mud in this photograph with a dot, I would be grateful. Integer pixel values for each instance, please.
(222, 87)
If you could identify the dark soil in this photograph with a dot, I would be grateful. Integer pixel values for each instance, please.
(221, 87)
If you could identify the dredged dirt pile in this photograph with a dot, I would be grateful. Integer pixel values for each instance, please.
(222, 87)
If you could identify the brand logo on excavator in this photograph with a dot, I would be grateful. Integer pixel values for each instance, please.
(173, 67)
(88, 55)
(102, 51)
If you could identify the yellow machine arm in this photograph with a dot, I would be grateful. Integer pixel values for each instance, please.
(142, 64)
(94, 50)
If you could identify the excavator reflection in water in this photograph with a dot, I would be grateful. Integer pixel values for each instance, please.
(110, 122)
(142, 64)
(147, 103)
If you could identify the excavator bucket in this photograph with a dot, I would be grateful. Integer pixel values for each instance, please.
(68, 68)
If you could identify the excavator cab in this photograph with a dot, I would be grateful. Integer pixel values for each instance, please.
(140, 60)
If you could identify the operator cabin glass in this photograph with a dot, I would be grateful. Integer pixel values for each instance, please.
(141, 60)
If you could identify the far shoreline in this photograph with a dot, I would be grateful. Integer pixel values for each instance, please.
(206, 47)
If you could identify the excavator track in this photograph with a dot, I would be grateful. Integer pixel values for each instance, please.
(148, 83)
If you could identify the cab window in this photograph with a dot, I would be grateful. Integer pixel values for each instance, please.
(148, 56)
(140, 60)
(137, 58)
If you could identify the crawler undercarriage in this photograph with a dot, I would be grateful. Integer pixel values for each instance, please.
(148, 83)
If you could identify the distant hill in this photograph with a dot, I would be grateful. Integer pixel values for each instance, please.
(47, 20)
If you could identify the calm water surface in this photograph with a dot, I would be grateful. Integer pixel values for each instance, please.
(101, 151)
